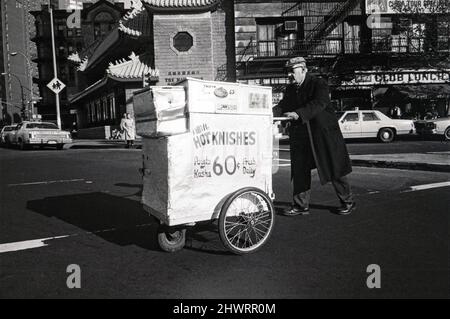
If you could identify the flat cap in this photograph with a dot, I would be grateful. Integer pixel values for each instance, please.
(294, 61)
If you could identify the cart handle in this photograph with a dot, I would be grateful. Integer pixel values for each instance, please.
(276, 119)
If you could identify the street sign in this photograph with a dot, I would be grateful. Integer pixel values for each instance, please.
(56, 86)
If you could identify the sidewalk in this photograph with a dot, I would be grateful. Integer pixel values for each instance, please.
(100, 144)
(439, 162)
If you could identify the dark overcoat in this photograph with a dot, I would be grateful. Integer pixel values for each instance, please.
(317, 128)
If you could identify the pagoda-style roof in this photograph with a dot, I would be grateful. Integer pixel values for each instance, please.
(169, 6)
(135, 68)
(132, 70)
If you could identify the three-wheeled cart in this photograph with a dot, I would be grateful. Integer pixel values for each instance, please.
(207, 155)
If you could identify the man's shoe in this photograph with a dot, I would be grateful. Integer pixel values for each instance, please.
(346, 209)
(295, 210)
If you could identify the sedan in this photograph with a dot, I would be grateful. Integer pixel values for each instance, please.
(7, 133)
(371, 123)
(41, 134)
(440, 126)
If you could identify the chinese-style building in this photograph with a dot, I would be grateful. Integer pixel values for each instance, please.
(160, 42)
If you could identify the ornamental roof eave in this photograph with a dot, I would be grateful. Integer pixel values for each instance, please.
(136, 23)
(186, 6)
(132, 70)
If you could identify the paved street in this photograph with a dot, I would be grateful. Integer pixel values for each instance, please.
(89, 200)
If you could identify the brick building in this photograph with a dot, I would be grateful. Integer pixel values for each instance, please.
(371, 58)
(17, 27)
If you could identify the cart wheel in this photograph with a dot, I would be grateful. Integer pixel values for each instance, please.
(246, 221)
(171, 239)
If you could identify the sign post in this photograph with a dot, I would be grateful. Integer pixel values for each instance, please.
(56, 86)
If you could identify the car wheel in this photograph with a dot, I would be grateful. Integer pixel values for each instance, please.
(386, 135)
(447, 134)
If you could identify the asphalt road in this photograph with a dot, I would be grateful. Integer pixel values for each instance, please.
(91, 198)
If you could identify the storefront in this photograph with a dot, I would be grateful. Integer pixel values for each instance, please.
(416, 92)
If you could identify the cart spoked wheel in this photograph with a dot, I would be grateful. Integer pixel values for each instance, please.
(171, 239)
(246, 221)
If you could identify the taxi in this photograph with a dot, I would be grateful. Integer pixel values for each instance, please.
(373, 124)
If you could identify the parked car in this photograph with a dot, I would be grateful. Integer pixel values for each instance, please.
(440, 126)
(372, 123)
(40, 134)
(6, 134)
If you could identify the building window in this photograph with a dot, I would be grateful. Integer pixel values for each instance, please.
(183, 41)
(62, 51)
(60, 27)
(266, 40)
(98, 110)
(112, 106)
(410, 37)
(105, 109)
(103, 24)
(91, 112)
(443, 32)
(352, 37)
(381, 36)
(72, 72)
(277, 37)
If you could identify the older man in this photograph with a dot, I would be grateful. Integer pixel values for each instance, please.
(315, 138)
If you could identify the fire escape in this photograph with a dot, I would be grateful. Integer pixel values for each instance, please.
(312, 44)
(318, 34)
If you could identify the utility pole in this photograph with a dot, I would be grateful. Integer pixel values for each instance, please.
(55, 67)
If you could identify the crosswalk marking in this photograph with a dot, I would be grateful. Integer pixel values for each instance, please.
(427, 186)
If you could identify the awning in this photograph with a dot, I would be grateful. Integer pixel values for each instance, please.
(422, 91)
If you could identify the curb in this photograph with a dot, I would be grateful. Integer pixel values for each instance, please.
(402, 165)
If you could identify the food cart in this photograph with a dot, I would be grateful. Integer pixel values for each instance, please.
(207, 156)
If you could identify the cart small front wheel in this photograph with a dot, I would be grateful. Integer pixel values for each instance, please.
(246, 221)
(171, 239)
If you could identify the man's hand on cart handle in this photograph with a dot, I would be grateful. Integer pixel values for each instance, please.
(292, 115)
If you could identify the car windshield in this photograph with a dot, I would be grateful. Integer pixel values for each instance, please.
(42, 126)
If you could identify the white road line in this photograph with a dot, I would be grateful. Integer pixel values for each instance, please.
(427, 186)
(284, 160)
(24, 245)
(39, 243)
(47, 182)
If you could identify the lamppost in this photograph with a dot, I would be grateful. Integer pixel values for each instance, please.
(21, 87)
(30, 73)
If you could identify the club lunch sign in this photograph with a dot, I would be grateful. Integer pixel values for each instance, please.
(406, 6)
(400, 77)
